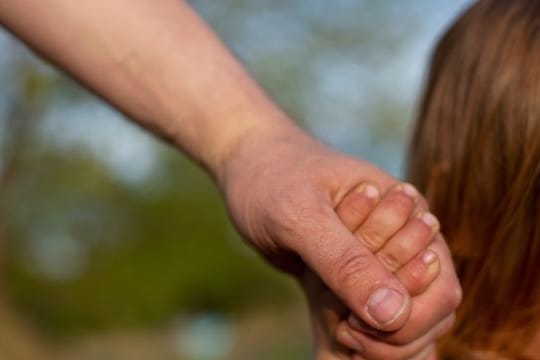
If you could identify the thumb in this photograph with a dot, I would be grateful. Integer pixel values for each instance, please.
(353, 273)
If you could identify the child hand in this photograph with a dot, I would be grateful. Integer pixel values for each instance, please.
(399, 231)
(397, 228)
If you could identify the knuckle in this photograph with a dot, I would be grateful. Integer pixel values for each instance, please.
(420, 232)
(351, 268)
(390, 260)
(371, 238)
(413, 273)
(399, 203)
(358, 210)
(391, 221)
(414, 281)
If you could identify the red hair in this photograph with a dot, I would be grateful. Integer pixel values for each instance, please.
(475, 153)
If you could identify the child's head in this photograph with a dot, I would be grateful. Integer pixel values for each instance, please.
(475, 153)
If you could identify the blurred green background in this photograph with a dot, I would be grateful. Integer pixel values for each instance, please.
(114, 246)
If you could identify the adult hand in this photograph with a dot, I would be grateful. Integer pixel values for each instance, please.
(282, 188)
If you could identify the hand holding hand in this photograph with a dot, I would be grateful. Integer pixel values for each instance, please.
(282, 188)
(407, 248)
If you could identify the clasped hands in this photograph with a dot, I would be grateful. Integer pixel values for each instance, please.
(378, 276)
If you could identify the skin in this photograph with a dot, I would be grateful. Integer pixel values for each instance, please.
(335, 337)
(161, 65)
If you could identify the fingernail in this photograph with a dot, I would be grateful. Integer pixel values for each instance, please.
(429, 257)
(369, 191)
(348, 339)
(410, 190)
(385, 305)
(429, 220)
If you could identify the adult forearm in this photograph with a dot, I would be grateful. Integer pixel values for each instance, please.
(156, 61)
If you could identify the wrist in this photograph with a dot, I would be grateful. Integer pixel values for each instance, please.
(250, 144)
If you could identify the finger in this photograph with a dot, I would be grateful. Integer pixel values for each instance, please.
(429, 353)
(412, 238)
(420, 272)
(371, 347)
(401, 248)
(391, 213)
(326, 312)
(436, 303)
(441, 298)
(357, 204)
(352, 272)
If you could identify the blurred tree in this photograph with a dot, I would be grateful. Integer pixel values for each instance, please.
(17, 339)
(87, 250)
